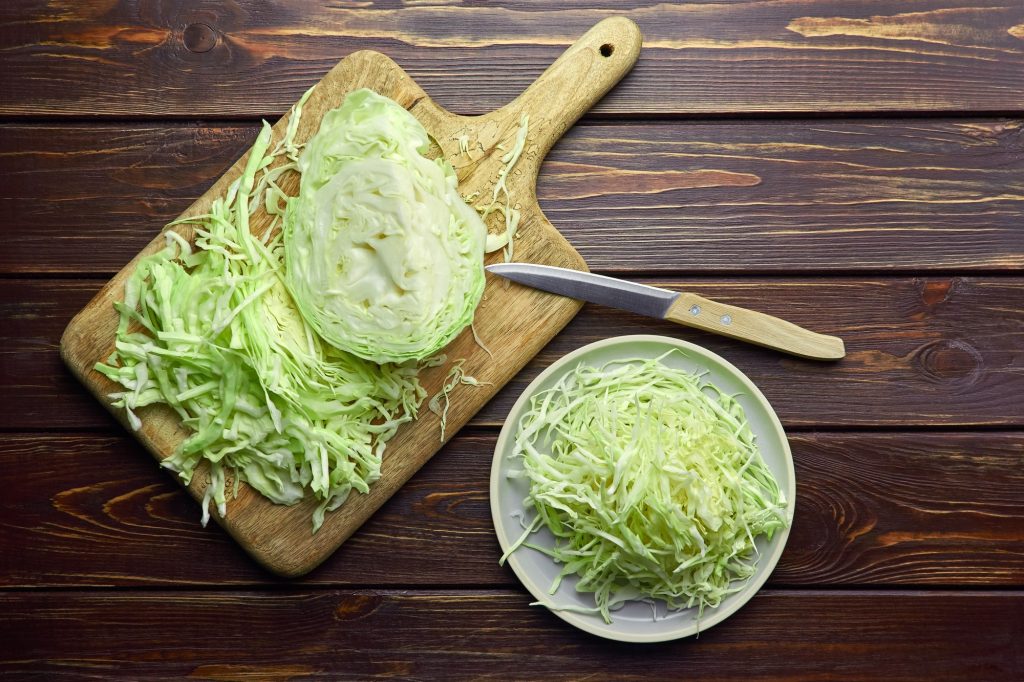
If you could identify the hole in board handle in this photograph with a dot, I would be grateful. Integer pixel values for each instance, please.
(607, 49)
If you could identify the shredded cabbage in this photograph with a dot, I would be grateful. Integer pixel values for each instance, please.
(510, 214)
(214, 334)
(456, 375)
(651, 482)
(384, 258)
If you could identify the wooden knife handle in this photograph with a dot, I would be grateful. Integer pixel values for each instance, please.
(696, 311)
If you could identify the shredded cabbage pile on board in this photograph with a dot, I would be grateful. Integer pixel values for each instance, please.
(384, 258)
(651, 482)
(214, 334)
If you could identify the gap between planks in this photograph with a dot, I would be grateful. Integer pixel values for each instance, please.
(725, 276)
(595, 119)
(401, 590)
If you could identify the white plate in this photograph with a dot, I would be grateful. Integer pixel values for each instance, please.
(637, 621)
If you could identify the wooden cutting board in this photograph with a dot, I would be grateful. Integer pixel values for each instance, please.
(515, 322)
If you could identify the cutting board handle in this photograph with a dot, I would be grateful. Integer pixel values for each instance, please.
(575, 82)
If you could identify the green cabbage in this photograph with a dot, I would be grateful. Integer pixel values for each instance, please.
(214, 334)
(651, 482)
(384, 258)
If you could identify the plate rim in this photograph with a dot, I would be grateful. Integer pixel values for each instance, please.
(597, 626)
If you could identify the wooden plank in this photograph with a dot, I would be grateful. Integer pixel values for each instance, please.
(104, 190)
(32, 375)
(717, 197)
(194, 58)
(488, 634)
(872, 509)
(926, 351)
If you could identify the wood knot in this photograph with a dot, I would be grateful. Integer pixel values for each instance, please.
(357, 606)
(949, 361)
(453, 507)
(936, 291)
(199, 37)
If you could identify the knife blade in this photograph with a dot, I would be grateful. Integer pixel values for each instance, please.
(682, 308)
(586, 286)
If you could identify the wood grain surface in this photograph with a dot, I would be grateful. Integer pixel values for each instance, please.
(856, 167)
(381, 633)
(249, 59)
(758, 196)
(925, 351)
(936, 509)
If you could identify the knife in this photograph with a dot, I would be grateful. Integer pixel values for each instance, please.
(682, 308)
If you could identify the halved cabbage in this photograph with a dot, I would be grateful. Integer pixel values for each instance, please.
(383, 257)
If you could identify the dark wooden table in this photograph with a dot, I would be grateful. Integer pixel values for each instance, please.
(856, 167)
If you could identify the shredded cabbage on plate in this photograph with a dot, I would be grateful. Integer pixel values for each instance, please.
(651, 482)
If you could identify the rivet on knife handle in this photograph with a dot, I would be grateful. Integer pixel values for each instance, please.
(749, 325)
